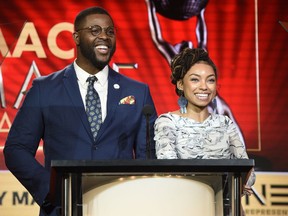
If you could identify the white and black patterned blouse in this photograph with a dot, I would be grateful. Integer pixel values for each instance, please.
(217, 137)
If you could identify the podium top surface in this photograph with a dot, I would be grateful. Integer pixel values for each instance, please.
(99, 171)
(152, 166)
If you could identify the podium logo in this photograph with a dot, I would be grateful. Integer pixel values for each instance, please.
(270, 195)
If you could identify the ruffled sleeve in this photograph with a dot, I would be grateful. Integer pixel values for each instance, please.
(238, 148)
(165, 137)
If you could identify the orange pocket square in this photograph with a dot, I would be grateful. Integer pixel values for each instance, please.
(128, 100)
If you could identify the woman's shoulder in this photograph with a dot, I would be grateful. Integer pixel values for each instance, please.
(168, 117)
(165, 115)
(224, 119)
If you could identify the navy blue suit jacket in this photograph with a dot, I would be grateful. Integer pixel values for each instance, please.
(53, 111)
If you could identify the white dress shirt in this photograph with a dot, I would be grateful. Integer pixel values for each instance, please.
(101, 86)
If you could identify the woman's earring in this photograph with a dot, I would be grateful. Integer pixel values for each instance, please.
(182, 102)
(214, 105)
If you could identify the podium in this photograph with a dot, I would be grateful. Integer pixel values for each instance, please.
(219, 181)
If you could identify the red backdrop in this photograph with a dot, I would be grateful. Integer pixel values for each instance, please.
(244, 38)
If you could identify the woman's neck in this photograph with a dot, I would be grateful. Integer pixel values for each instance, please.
(199, 115)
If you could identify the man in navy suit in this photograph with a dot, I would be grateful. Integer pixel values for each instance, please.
(54, 111)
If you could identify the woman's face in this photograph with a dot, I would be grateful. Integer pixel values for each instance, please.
(199, 85)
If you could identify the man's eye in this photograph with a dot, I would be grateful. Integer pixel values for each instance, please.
(96, 31)
(110, 31)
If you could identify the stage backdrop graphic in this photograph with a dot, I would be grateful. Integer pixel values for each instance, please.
(243, 37)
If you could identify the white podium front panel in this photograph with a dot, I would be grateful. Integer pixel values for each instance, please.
(153, 196)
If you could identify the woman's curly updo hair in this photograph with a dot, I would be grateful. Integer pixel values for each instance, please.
(184, 60)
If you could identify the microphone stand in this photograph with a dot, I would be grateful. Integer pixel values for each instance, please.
(148, 111)
(148, 144)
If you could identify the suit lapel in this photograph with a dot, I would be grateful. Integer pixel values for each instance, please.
(71, 85)
(114, 90)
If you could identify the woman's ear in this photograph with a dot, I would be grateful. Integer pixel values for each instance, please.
(180, 85)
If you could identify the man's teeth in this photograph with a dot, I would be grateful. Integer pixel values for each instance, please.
(102, 47)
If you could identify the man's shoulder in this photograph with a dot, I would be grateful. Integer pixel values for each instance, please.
(125, 79)
(56, 74)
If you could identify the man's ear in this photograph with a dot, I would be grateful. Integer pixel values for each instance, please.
(76, 38)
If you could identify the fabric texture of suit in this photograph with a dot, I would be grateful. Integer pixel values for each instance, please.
(53, 111)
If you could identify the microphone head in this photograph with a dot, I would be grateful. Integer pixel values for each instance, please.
(148, 110)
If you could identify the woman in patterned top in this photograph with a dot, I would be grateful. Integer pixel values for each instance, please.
(193, 131)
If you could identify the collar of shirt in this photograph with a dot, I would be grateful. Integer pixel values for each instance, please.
(101, 86)
(82, 75)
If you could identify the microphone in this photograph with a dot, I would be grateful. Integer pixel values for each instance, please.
(148, 111)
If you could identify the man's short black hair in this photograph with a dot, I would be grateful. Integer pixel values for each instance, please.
(84, 13)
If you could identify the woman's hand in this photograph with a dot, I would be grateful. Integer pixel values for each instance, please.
(247, 190)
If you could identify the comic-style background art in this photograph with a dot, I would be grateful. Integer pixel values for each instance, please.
(246, 38)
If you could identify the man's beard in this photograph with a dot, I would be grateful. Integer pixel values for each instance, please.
(90, 54)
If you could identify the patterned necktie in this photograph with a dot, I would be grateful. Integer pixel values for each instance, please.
(93, 107)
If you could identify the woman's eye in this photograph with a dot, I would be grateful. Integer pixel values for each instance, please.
(194, 80)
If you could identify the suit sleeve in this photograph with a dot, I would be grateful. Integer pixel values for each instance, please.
(22, 143)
